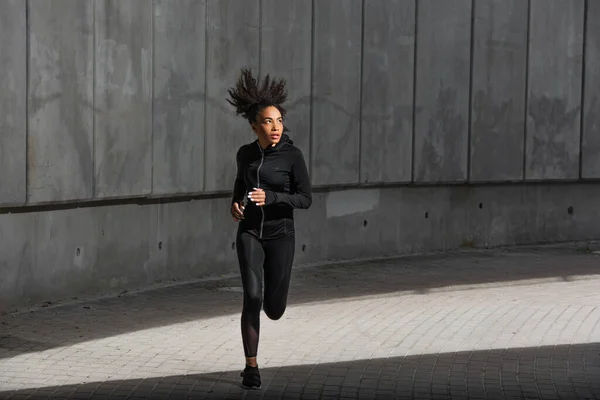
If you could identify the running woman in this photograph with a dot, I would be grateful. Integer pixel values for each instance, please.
(272, 180)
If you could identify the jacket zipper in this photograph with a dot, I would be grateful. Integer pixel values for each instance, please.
(262, 210)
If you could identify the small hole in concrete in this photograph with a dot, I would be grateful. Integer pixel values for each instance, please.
(160, 245)
(303, 247)
(233, 246)
(426, 215)
(480, 205)
(78, 252)
(365, 223)
(570, 210)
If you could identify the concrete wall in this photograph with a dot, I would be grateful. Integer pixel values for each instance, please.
(76, 251)
(13, 102)
(110, 103)
(128, 99)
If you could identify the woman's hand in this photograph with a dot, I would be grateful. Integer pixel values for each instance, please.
(258, 196)
(237, 211)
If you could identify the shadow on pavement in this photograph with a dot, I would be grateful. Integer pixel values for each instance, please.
(74, 323)
(550, 372)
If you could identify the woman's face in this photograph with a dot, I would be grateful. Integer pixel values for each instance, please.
(268, 126)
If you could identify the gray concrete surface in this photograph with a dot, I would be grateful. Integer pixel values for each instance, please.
(123, 103)
(498, 90)
(13, 59)
(336, 92)
(505, 324)
(179, 96)
(123, 98)
(60, 134)
(554, 96)
(71, 252)
(442, 90)
(590, 155)
(387, 91)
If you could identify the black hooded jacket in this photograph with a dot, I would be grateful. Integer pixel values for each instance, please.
(281, 172)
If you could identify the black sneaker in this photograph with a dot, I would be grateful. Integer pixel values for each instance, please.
(251, 378)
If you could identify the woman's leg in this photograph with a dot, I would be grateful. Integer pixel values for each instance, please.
(279, 256)
(251, 257)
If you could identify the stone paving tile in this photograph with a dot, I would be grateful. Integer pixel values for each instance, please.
(512, 323)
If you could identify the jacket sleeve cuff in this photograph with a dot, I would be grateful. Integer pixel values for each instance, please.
(270, 197)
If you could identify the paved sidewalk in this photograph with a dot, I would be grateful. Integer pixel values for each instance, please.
(509, 323)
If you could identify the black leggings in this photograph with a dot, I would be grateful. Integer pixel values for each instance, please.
(274, 257)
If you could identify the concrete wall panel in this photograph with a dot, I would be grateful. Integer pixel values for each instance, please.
(387, 91)
(285, 22)
(554, 97)
(61, 65)
(233, 43)
(123, 98)
(16, 264)
(499, 90)
(590, 166)
(182, 226)
(179, 83)
(86, 249)
(138, 241)
(442, 90)
(13, 97)
(336, 91)
(308, 233)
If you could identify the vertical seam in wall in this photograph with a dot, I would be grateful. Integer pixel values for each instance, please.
(414, 95)
(27, 77)
(260, 12)
(470, 111)
(152, 79)
(205, 151)
(525, 130)
(311, 102)
(583, 73)
(94, 38)
(360, 90)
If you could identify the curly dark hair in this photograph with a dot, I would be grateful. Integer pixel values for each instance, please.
(249, 96)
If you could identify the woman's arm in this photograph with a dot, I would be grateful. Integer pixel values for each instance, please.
(239, 187)
(302, 196)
